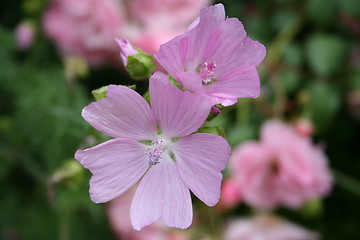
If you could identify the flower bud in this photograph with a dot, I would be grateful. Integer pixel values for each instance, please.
(24, 33)
(101, 92)
(138, 64)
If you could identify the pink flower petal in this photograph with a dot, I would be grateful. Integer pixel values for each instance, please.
(199, 31)
(210, 17)
(122, 114)
(172, 55)
(191, 81)
(200, 159)
(162, 195)
(178, 113)
(116, 165)
(243, 81)
(241, 52)
(223, 42)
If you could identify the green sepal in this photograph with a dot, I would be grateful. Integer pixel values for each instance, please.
(216, 130)
(312, 208)
(101, 92)
(140, 65)
(71, 174)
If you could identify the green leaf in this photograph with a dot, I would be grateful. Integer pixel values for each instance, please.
(323, 105)
(321, 12)
(290, 80)
(325, 53)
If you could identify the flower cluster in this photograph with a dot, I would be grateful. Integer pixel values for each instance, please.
(163, 148)
(156, 145)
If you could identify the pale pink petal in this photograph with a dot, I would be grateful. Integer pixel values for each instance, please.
(172, 55)
(196, 36)
(191, 81)
(116, 165)
(162, 195)
(243, 81)
(210, 18)
(246, 52)
(200, 159)
(224, 41)
(122, 114)
(178, 113)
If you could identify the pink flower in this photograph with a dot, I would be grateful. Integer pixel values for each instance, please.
(304, 127)
(284, 168)
(230, 194)
(85, 28)
(126, 49)
(266, 227)
(24, 33)
(169, 166)
(214, 57)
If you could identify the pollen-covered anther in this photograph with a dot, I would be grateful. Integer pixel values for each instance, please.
(155, 152)
(207, 72)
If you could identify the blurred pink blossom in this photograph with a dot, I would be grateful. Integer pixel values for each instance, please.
(304, 127)
(87, 28)
(24, 34)
(283, 168)
(230, 194)
(266, 227)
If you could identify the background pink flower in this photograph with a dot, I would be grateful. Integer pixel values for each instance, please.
(85, 28)
(230, 194)
(266, 227)
(284, 168)
(24, 34)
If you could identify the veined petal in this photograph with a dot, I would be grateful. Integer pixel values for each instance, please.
(191, 81)
(247, 52)
(243, 81)
(116, 165)
(224, 40)
(178, 113)
(200, 159)
(122, 114)
(199, 35)
(184, 53)
(162, 195)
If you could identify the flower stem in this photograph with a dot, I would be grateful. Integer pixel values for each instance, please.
(346, 182)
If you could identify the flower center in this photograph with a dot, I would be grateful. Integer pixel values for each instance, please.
(207, 72)
(155, 152)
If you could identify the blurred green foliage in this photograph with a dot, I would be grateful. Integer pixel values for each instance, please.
(312, 70)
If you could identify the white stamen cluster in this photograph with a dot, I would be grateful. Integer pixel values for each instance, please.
(155, 152)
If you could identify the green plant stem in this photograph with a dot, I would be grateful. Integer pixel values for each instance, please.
(275, 52)
(346, 182)
(243, 111)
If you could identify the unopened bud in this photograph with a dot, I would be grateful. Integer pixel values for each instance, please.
(304, 127)
(138, 64)
(101, 92)
(24, 33)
